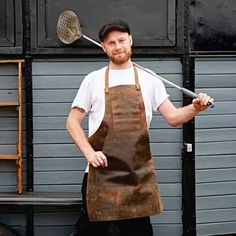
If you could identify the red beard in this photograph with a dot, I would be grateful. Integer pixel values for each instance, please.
(120, 58)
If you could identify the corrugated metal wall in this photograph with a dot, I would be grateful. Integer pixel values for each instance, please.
(58, 164)
(216, 148)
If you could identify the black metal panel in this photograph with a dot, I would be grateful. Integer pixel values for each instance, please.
(188, 152)
(213, 25)
(188, 157)
(10, 27)
(29, 123)
(153, 23)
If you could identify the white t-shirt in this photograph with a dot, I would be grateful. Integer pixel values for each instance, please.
(91, 96)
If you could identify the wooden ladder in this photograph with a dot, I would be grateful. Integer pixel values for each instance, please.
(18, 105)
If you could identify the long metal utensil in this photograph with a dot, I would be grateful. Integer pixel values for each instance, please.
(69, 30)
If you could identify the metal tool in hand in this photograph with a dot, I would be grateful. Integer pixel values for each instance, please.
(68, 31)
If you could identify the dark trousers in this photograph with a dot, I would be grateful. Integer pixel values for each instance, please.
(130, 227)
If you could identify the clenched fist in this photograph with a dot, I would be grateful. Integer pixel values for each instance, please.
(201, 103)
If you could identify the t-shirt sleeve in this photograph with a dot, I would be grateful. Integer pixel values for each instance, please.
(159, 94)
(83, 96)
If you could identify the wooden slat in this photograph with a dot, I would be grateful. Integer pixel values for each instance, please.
(215, 81)
(60, 164)
(218, 215)
(168, 229)
(35, 198)
(6, 188)
(57, 188)
(222, 228)
(49, 81)
(216, 175)
(169, 66)
(11, 61)
(8, 157)
(8, 137)
(8, 123)
(8, 149)
(173, 217)
(72, 68)
(214, 135)
(168, 162)
(215, 189)
(216, 161)
(169, 176)
(172, 203)
(9, 166)
(52, 109)
(214, 67)
(19, 171)
(171, 189)
(58, 177)
(215, 121)
(8, 82)
(52, 123)
(215, 148)
(6, 104)
(8, 179)
(216, 202)
(9, 95)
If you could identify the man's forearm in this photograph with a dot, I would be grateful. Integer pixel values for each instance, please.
(77, 134)
(73, 124)
(184, 114)
(177, 116)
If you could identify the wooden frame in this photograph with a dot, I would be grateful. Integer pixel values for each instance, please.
(18, 104)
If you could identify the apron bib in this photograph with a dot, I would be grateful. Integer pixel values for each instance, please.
(127, 188)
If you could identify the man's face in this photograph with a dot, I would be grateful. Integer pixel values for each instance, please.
(117, 46)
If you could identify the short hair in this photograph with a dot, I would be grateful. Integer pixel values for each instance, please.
(113, 25)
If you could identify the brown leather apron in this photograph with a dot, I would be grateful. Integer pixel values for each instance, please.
(127, 188)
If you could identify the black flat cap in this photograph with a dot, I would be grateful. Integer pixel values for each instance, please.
(113, 25)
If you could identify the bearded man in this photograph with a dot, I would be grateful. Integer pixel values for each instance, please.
(119, 187)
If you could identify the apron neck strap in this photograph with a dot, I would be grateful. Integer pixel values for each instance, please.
(136, 78)
(107, 79)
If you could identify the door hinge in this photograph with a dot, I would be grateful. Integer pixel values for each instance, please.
(188, 147)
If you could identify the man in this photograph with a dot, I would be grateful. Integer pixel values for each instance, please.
(121, 186)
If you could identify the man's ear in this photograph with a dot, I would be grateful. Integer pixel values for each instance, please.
(131, 40)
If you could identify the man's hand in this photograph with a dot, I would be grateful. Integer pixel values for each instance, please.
(201, 102)
(97, 159)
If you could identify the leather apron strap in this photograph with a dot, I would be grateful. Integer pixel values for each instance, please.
(107, 80)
